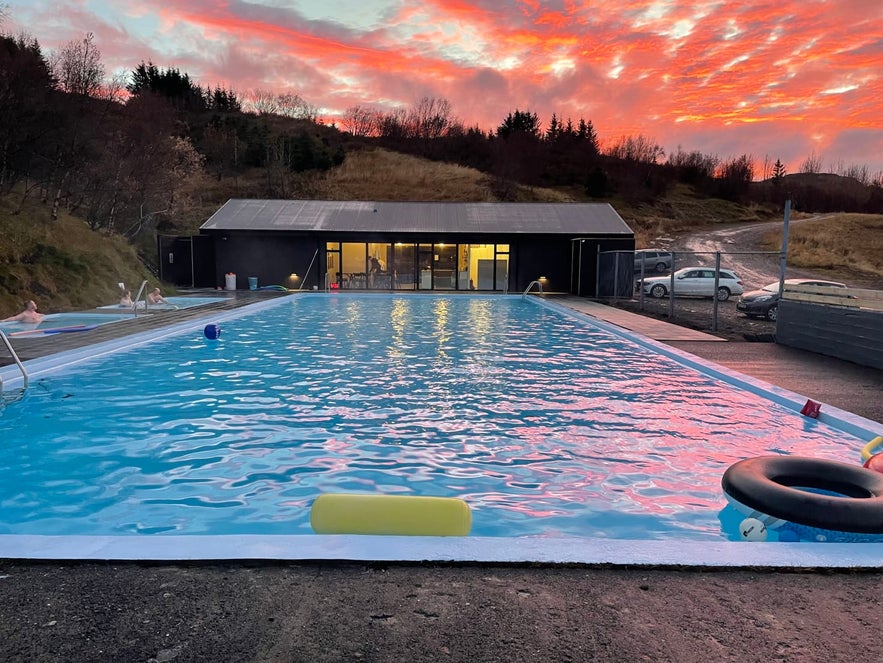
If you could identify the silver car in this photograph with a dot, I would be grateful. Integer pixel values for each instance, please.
(652, 260)
(694, 282)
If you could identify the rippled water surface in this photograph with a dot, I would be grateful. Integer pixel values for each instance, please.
(544, 424)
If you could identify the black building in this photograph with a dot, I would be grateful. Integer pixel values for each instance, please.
(312, 244)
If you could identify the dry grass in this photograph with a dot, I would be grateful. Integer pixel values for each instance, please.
(383, 175)
(62, 265)
(837, 242)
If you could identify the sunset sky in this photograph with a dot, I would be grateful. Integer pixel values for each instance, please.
(776, 78)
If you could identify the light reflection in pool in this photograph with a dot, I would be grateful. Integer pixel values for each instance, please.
(543, 424)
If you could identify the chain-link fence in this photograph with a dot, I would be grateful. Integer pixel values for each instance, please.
(707, 286)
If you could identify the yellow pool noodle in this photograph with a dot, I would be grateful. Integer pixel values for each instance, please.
(337, 513)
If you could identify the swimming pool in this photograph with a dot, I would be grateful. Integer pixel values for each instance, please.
(64, 321)
(551, 428)
(183, 301)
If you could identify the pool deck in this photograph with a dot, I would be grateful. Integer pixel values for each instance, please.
(495, 613)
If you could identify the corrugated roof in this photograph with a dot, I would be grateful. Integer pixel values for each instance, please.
(418, 217)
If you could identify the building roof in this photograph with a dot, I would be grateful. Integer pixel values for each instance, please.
(576, 219)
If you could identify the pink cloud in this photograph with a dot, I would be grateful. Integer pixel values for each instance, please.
(763, 77)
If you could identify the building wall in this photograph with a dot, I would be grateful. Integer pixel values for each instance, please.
(273, 257)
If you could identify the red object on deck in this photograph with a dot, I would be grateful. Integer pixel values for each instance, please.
(811, 409)
(875, 463)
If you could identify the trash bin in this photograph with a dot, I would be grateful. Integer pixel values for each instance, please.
(252, 282)
(230, 281)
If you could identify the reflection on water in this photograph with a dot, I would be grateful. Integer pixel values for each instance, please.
(543, 425)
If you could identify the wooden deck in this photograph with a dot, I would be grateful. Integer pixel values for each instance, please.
(658, 330)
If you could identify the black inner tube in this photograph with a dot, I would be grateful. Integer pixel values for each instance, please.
(776, 485)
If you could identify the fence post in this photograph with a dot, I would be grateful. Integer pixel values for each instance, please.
(671, 289)
(783, 259)
(717, 280)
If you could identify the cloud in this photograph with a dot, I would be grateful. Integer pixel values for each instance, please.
(764, 76)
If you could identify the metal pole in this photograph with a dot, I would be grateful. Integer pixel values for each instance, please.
(784, 254)
(598, 271)
(717, 280)
(671, 289)
(579, 270)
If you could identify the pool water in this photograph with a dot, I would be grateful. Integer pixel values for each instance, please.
(187, 301)
(545, 424)
(63, 320)
(184, 301)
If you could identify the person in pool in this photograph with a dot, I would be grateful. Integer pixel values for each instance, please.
(156, 297)
(126, 299)
(28, 315)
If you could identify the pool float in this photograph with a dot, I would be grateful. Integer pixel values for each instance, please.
(337, 513)
(280, 288)
(818, 499)
(54, 330)
(869, 449)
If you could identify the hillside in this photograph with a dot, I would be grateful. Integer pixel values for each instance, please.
(64, 265)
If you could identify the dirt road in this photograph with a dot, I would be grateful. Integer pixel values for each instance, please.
(741, 251)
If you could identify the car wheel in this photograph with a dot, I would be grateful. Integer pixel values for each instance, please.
(658, 291)
(660, 267)
(723, 294)
(773, 313)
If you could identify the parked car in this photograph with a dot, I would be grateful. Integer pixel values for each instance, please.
(764, 303)
(694, 282)
(652, 260)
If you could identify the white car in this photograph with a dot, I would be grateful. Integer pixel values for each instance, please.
(694, 282)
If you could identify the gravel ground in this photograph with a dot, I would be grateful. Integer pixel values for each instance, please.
(697, 313)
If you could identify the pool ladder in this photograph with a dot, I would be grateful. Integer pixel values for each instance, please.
(531, 285)
(12, 352)
(137, 297)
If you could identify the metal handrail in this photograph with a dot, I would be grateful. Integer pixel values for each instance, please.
(304, 280)
(15, 358)
(531, 285)
(137, 297)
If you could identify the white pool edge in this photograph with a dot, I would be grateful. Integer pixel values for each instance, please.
(477, 549)
(569, 550)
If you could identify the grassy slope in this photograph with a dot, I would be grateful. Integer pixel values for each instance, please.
(65, 266)
(62, 265)
(843, 244)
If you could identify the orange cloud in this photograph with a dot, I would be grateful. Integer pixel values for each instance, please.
(782, 78)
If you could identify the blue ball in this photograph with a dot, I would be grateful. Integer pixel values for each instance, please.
(212, 332)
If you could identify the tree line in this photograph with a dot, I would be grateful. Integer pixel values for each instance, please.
(119, 152)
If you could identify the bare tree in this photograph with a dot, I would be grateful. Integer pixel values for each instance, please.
(294, 106)
(812, 164)
(361, 121)
(78, 68)
(286, 104)
(429, 118)
(636, 148)
(392, 124)
(262, 102)
(767, 168)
